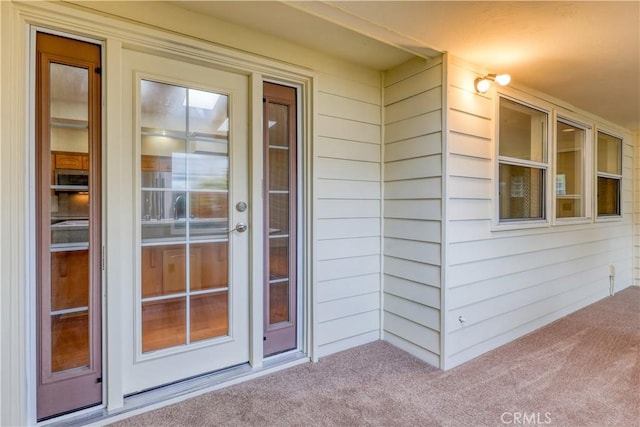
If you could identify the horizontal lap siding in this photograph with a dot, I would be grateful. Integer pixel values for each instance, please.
(507, 283)
(348, 209)
(413, 208)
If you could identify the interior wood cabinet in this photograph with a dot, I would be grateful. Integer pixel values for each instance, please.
(155, 163)
(78, 161)
(164, 268)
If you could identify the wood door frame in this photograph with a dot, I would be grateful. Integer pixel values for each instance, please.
(277, 95)
(43, 173)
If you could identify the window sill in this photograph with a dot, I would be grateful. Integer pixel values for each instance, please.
(572, 221)
(609, 218)
(520, 225)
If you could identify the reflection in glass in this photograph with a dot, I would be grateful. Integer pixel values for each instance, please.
(523, 132)
(212, 265)
(278, 302)
(69, 280)
(69, 92)
(208, 114)
(278, 124)
(184, 178)
(278, 169)
(278, 258)
(163, 324)
(162, 107)
(69, 341)
(70, 217)
(608, 196)
(609, 154)
(209, 316)
(521, 192)
(208, 171)
(569, 170)
(279, 214)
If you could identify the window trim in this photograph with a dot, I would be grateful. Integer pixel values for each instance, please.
(587, 164)
(519, 224)
(597, 174)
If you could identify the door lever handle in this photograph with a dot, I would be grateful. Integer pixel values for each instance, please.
(240, 227)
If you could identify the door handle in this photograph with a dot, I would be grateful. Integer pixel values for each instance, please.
(240, 227)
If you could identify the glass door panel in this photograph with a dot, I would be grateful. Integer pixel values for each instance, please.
(184, 190)
(70, 216)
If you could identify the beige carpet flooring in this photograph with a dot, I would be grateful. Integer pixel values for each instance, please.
(582, 370)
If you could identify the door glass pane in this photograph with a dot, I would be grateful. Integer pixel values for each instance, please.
(70, 340)
(70, 215)
(278, 124)
(210, 268)
(278, 213)
(184, 207)
(163, 324)
(279, 302)
(69, 276)
(569, 170)
(209, 316)
(278, 204)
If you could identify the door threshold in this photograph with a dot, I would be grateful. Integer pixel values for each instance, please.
(176, 392)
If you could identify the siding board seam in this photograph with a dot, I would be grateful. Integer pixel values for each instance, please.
(348, 98)
(398, 337)
(394, 141)
(348, 160)
(355, 313)
(468, 113)
(468, 156)
(561, 278)
(520, 325)
(410, 300)
(359, 294)
(432, 65)
(422, 113)
(410, 320)
(548, 265)
(518, 254)
(410, 280)
(348, 140)
(390, 162)
(350, 337)
(349, 120)
(456, 132)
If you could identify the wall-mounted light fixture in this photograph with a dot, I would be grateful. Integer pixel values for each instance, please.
(482, 84)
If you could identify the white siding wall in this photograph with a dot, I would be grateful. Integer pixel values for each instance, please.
(413, 207)
(508, 283)
(347, 172)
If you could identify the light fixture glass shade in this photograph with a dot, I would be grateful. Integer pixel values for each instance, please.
(482, 85)
(503, 79)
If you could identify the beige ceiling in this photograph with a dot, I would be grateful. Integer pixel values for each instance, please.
(585, 53)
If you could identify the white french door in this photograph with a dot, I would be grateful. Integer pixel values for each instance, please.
(186, 308)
